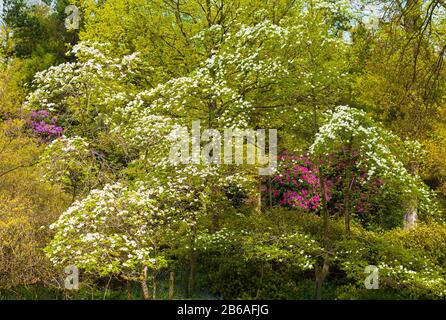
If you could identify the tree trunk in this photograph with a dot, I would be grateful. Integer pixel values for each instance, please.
(192, 274)
(154, 285)
(349, 179)
(347, 191)
(129, 290)
(262, 272)
(259, 199)
(270, 192)
(322, 272)
(145, 289)
(171, 285)
(411, 216)
(192, 264)
(214, 222)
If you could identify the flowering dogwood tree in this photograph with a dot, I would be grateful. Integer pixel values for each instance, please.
(113, 231)
(83, 91)
(119, 230)
(376, 146)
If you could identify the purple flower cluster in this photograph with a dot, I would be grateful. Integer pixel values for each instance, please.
(44, 126)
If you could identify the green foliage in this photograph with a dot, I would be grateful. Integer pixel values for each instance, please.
(415, 271)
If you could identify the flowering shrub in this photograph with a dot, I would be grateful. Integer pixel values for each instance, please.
(44, 126)
(373, 200)
(124, 223)
(295, 248)
(297, 183)
(366, 192)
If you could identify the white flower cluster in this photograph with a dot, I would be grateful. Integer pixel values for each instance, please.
(178, 96)
(426, 280)
(247, 55)
(333, 7)
(94, 78)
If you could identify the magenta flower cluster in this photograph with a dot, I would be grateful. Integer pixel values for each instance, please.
(297, 183)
